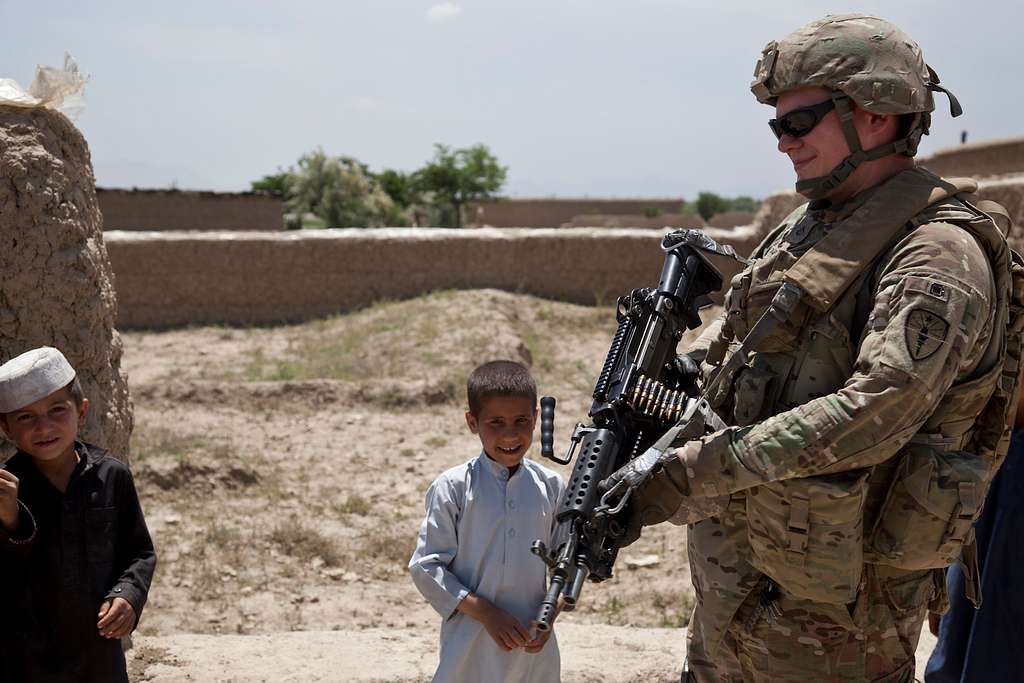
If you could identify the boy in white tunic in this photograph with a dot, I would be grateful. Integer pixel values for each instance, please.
(472, 560)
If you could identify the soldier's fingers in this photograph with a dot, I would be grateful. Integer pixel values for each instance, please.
(104, 608)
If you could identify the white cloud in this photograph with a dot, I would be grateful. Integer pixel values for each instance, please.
(442, 11)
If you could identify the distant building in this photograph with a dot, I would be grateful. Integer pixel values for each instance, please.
(552, 213)
(188, 210)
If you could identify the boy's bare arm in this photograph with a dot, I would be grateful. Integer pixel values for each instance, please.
(503, 628)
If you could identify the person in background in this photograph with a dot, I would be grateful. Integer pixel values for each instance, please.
(983, 644)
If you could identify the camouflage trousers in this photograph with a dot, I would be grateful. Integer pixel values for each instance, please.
(777, 638)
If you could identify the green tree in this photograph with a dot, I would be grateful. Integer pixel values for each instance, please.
(709, 203)
(341, 191)
(455, 177)
(745, 203)
(275, 184)
(400, 186)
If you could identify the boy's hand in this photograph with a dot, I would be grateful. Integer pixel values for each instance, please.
(538, 642)
(8, 501)
(504, 628)
(116, 618)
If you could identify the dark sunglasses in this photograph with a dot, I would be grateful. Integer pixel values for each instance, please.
(802, 121)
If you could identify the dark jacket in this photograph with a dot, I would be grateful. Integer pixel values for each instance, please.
(90, 544)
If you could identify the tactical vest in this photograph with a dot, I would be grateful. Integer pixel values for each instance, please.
(914, 511)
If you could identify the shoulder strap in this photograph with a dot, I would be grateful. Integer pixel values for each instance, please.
(832, 265)
(998, 213)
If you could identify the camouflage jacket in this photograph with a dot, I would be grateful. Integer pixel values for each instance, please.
(820, 412)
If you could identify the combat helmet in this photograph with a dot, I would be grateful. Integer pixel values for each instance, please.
(862, 59)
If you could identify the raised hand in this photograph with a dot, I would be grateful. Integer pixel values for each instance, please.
(8, 501)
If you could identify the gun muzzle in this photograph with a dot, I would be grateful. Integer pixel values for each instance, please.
(549, 607)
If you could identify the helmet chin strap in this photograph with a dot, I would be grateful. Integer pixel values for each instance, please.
(822, 186)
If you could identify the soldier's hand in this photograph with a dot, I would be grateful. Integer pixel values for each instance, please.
(685, 373)
(8, 501)
(636, 471)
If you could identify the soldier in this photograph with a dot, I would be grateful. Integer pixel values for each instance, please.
(865, 364)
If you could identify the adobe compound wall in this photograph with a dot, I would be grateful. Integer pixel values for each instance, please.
(551, 213)
(172, 279)
(175, 278)
(185, 210)
(978, 159)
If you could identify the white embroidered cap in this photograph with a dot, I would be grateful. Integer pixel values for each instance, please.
(31, 376)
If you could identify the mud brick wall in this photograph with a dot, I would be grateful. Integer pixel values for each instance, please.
(978, 159)
(178, 210)
(173, 279)
(551, 213)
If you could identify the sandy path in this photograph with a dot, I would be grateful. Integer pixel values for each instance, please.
(590, 653)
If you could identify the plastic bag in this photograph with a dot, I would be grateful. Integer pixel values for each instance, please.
(60, 89)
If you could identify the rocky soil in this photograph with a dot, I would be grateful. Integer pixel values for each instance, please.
(282, 472)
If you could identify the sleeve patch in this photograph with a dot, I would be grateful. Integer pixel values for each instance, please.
(925, 333)
(931, 288)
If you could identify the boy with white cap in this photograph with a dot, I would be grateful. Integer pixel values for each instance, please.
(75, 553)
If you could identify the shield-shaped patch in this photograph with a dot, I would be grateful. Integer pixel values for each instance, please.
(925, 332)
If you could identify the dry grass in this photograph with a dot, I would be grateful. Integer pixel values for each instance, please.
(261, 502)
(304, 542)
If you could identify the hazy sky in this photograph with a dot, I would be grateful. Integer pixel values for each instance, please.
(600, 98)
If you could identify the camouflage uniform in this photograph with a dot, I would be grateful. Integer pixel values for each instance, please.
(867, 621)
(856, 417)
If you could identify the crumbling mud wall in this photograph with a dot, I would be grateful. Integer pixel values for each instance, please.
(978, 159)
(170, 279)
(774, 209)
(56, 285)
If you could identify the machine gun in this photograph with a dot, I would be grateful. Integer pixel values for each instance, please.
(637, 399)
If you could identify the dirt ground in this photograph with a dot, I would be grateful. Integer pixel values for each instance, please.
(282, 472)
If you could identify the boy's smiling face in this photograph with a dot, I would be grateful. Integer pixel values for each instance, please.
(505, 427)
(46, 429)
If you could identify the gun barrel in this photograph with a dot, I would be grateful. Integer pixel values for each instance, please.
(572, 595)
(549, 607)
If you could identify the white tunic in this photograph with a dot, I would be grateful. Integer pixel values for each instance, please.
(476, 538)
